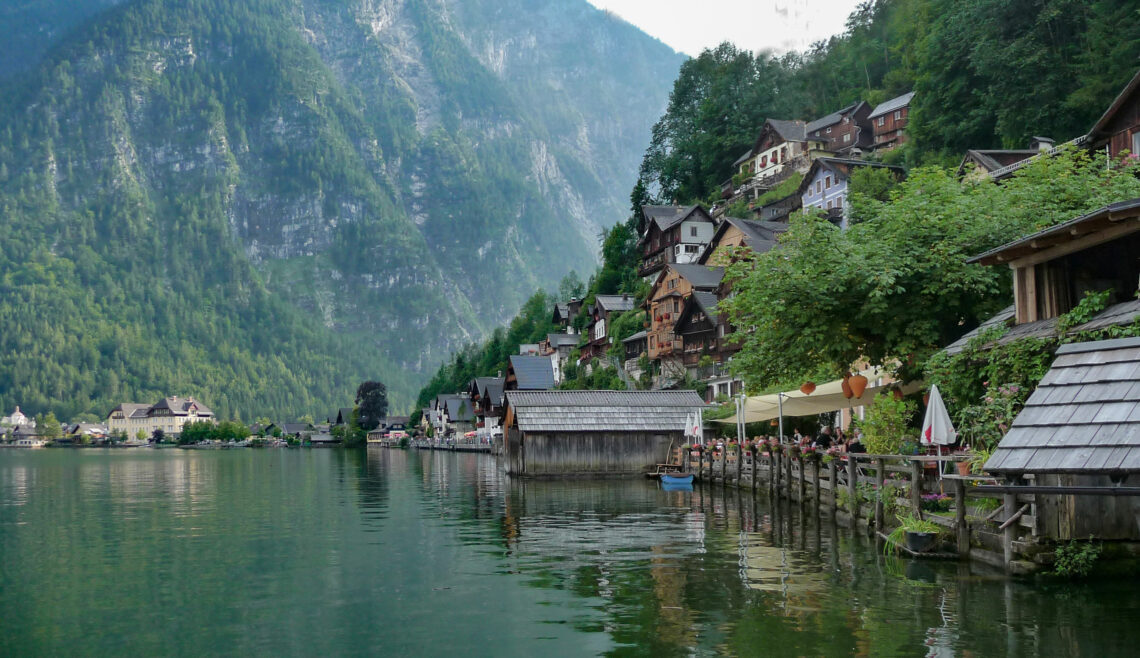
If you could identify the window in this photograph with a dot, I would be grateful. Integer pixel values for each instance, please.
(817, 133)
(846, 120)
(1136, 144)
(829, 205)
(839, 202)
(828, 130)
(827, 182)
(882, 121)
(846, 137)
(676, 306)
(898, 114)
(692, 231)
(818, 187)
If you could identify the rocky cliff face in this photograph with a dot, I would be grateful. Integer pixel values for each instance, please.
(402, 172)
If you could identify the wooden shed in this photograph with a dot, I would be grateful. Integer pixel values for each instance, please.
(593, 433)
(1081, 428)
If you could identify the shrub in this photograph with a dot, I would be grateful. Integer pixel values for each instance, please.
(885, 424)
(1076, 558)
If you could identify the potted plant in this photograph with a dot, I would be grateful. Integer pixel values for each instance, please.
(920, 536)
(978, 459)
(964, 466)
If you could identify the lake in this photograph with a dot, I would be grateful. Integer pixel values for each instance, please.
(333, 552)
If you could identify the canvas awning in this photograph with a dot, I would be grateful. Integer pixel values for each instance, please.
(826, 398)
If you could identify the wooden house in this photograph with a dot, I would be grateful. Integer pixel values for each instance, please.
(759, 236)
(824, 187)
(636, 345)
(529, 373)
(888, 121)
(696, 327)
(846, 131)
(561, 317)
(598, 433)
(559, 348)
(597, 329)
(781, 149)
(780, 210)
(672, 234)
(1118, 129)
(999, 164)
(672, 288)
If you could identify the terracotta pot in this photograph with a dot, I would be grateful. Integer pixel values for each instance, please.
(847, 391)
(898, 394)
(858, 384)
(963, 468)
(807, 388)
(925, 399)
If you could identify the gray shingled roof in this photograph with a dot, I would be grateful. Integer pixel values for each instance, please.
(562, 340)
(533, 373)
(1117, 314)
(742, 159)
(829, 120)
(460, 410)
(615, 302)
(667, 216)
(641, 335)
(1035, 241)
(603, 411)
(790, 130)
(893, 104)
(1084, 416)
(700, 276)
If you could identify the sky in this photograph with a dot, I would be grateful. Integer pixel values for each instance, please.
(690, 26)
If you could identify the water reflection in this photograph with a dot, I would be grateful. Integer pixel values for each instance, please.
(299, 552)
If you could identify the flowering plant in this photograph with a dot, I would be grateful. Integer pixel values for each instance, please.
(984, 424)
(831, 454)
(936, 502)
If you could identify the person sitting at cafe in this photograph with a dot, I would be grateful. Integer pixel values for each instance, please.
(823, 441)
(855, 443)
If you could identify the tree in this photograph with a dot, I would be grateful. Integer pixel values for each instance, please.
(196, 432)
(159, 436)
(48, 426)
(571, 286)
(895, 288)
(371, 404)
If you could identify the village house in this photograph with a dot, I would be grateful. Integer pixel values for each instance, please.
(666, 299)
(564, 314)
(999, 164)
(169, 415)
(598, 327)
(846, 132)
(17, 419)
(779, 210)
(782, 149)
(558, 347)
(672, 234)
(888, 121)
(824, 187)
(734, 233)
(459, 415)
(1118, 129)
(581, 433)
(529, 373)
(486, 395)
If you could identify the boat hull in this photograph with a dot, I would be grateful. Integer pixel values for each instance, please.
(677, 478)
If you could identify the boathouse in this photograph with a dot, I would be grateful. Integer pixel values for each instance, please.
(593, 433)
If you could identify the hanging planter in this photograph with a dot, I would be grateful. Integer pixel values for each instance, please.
(807, 388)
(846, 386)
(897, 394)
(858, 384)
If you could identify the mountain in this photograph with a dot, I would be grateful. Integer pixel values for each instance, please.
(261, 202)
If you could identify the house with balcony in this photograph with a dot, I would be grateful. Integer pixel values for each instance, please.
(781, 149)
(888, 122)
(667, 298)
(824, 187)
(168, 414)
(598, 327)
(672, 234)
(846, 132)
(757, 235)
(999, 164)
(486, 395)
(558, 347)
(1118, 129)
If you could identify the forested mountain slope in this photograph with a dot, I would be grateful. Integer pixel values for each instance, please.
(260, 202)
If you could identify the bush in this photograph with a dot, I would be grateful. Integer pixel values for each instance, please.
(885, 425)
(1076, 558)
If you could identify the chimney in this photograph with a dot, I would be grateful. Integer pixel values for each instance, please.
(1041, 144)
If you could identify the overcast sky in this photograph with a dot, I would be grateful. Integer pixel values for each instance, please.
(690, 26)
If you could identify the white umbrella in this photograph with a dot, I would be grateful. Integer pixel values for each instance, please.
(695, 429)
(937, 429)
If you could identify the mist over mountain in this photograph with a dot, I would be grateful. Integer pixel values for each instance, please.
(261, 202)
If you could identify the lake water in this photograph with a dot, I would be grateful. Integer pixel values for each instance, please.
(330, 552)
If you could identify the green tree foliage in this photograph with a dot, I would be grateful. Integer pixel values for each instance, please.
(371, 404)
(895, 288)
(48, 426)
(987, 74)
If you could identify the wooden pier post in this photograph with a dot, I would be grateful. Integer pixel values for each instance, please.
(755, 466)
(1007, 537)
(833, 477)
(815, 484)
(700, 464)
(803, 478)
(852, 492)
(788, 475)
(916, 488)
(962, 530)
(724, 466)
(739, 463)
(881, 478)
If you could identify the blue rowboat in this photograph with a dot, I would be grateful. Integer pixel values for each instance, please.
(677, 478)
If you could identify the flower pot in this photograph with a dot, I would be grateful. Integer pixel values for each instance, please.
(920, 542)
(807, 388)
(848, 392)
(858, 384)
(963, 468)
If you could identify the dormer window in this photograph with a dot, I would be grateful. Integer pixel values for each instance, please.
(828, 131)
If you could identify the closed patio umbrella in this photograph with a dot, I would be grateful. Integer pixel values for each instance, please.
(937, 428)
